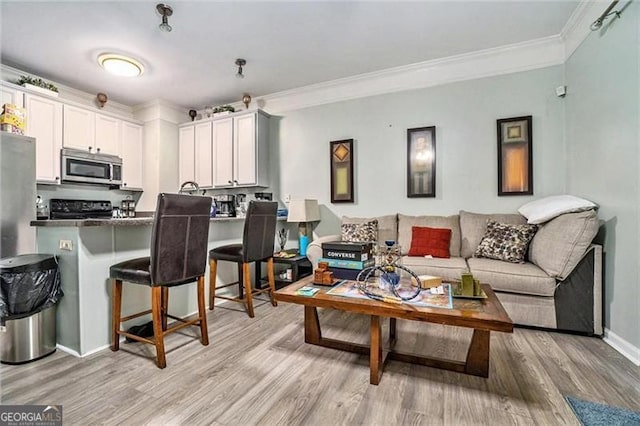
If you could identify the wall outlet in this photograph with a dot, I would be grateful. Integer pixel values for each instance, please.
(65, 245)
(287, 198)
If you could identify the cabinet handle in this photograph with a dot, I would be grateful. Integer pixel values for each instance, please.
(235, 181)
(124, 184)
(57, 177)
(98, 149)
(90, 148)
(230, 183)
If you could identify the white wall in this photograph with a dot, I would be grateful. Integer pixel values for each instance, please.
(465, 116)
(602, 131)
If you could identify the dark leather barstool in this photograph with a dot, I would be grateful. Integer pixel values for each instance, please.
(178, 256)
(257, 246)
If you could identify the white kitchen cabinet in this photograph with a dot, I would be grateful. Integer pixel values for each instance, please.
(107, 139)
(223, 152)
(45, 124)
(238, 155)
(245, 148)
(203, 155)
(10, 95)
(186, 154)
(131, 150)
(79, 129)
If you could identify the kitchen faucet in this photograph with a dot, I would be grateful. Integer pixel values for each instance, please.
(194, 187)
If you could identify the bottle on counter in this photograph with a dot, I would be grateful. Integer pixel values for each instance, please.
(42, 211)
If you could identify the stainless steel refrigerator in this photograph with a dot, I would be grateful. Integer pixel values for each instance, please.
(17, 194)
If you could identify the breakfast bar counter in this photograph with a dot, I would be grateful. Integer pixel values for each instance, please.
(86, 249)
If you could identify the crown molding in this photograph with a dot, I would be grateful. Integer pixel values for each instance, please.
(66, 93)
(577, 28)
(528, 55)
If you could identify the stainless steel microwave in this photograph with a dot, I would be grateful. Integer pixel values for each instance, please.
(85, 167)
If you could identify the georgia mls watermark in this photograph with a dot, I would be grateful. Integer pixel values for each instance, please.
(30, 415)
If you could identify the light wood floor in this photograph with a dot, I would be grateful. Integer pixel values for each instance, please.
(259, 371)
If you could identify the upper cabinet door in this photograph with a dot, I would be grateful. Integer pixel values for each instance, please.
(131, 150)
(107, 135)
(223, 152)
(245, 150)
(45, 124)
(203, 155)
(11, 96)
(186, 154)
(79, 128)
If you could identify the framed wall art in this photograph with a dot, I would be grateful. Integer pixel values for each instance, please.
(421, 162)
(515, 156)
(342, 171)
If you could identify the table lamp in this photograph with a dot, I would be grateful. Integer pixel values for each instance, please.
(303, 212)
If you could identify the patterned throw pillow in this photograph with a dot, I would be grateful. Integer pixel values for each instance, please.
(360, 232)
(506, 242)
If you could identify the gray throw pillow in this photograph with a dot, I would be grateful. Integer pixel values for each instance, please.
(503, 241)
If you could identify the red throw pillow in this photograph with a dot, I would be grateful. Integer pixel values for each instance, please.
(430, 241)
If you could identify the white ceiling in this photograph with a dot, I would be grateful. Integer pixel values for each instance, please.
(286, 44)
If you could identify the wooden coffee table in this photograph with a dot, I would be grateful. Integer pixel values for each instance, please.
(483, 316)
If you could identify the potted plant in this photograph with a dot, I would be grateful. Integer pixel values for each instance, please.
(223, 110)
(38, 85)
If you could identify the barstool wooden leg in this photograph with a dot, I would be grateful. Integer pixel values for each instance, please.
(213, 269)
(202, 312)
(116, 305)
(165, 307)
(158, 334)
(272, 281)
(246, 272)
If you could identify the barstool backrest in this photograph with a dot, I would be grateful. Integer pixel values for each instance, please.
(179, 239)
(259, 231)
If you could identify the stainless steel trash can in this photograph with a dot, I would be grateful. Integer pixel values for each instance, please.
(30, 288)
(29, 338)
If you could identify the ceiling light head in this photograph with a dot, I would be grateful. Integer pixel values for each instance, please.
(240, 63)
(120, 65)
(165, 10)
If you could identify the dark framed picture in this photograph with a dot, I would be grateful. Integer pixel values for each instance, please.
(342, 171)
(421, 162)
(515, 156)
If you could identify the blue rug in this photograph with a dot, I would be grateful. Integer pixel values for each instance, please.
(593, 414)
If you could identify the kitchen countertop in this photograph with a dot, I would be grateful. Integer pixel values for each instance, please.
(132, 221)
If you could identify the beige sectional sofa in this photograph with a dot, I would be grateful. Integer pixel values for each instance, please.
(558, 287)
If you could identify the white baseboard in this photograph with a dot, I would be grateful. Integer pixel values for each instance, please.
(67, 350)
(631, 352)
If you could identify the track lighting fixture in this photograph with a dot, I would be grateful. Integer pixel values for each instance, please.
(240, 63)
(165, 10)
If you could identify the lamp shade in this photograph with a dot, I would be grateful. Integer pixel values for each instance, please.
(303, 211)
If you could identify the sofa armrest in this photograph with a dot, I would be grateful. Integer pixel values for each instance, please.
(314, 249)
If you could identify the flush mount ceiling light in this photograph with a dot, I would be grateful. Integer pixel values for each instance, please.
(240, 63)
(120, 65)
(165, 10)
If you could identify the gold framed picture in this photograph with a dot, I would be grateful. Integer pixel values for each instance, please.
(421, 162)
(342, 171)
(515, 156)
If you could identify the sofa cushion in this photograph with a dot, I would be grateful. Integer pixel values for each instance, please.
(503, 241)
(547, 208)
(473, 225)
(360, 232)
(406, 223)
(559, 244)
(525, 278)
(427, 241)
(387, 225)
(448, 269)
